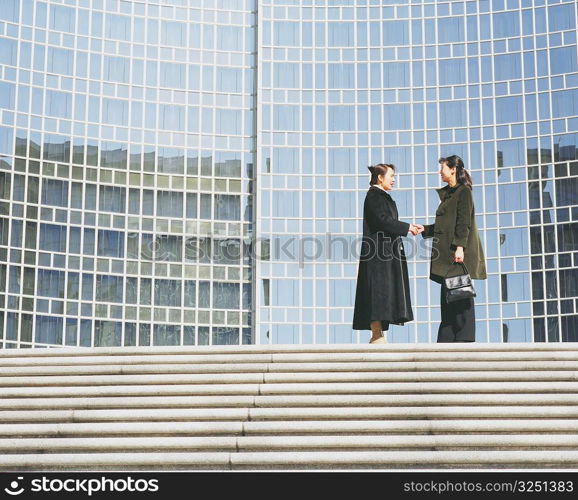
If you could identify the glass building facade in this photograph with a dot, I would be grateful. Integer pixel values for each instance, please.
(346, 84)
(193, 172)
(128, 144)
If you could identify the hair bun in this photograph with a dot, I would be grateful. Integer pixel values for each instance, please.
(370, 168)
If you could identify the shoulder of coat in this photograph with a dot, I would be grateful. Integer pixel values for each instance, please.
(441, 191)
(464, 190)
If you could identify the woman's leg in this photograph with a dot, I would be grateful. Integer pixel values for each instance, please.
(375, 330)
(458, 320)
(465, 320)
(446, 329)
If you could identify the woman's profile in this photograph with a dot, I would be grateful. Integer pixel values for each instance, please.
(382, 295)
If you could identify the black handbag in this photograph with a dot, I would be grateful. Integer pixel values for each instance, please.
(459, 287)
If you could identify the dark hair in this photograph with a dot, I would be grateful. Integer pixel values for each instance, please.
(462, 175)
(379, 169)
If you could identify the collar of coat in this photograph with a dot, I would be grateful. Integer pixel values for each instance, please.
(443, 192)
(375, 188)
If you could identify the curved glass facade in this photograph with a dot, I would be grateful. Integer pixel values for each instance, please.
(130, 211)
(127, 143)
(345, 84)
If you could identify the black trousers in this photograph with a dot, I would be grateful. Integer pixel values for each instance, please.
(458, 320)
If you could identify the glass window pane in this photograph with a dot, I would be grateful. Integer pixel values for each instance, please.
(226, 295)
(169, 204)
(167, 292)
(87, 285)
(110, 243)
(227, 252)
(48, 330)
(50, 283)
(167, 335)
(145, 291)
(118, 27)
(506, 24)
(169, 248)
(76, 196)
(29, 282)
(52, 238)
(107, 333)
(227, 207)
(62, 18)
(396, 33)
(563, 60)
(132, 246)
(74, 240)
(190, 294)
(55, 192)
(562, 17)
(131, 291)
(173, 33)
(225, 336)
(73, 286)
(109, 288)
(341, 34)
(112, 199)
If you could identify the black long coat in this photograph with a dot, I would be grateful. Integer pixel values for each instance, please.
(382, 292)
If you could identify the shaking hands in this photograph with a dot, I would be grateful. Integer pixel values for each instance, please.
(415, 229)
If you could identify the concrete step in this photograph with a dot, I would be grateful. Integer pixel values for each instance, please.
(296, 443)
(190, 373)
(334, 428)
(291, 460)
(287, 413)
(282, 400)
(373, 354)
(75, 352)
(185, 384)
(41, 366)
(176, 389)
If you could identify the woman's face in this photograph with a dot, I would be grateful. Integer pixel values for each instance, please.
(387, 180)
(447, 173)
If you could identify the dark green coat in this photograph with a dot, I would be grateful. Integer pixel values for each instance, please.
(455, 226)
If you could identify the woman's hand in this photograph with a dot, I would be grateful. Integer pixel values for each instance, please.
(459, 255)
(415, 229)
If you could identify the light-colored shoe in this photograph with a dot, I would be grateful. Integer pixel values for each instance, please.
(380, 340)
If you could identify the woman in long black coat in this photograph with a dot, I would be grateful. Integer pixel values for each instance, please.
(382, 296)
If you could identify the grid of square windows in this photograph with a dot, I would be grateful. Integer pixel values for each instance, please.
(126, 172)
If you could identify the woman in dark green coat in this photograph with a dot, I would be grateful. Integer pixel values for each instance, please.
(455, 241)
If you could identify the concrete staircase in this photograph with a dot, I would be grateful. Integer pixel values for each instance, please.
(393, 406)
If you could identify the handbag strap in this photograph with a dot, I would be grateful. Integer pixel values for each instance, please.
(463, 265)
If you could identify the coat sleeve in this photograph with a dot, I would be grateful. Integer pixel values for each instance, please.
(464, 216)
(428, 230)
(379, 220)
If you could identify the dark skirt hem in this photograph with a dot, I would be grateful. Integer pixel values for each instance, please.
(367, 326)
